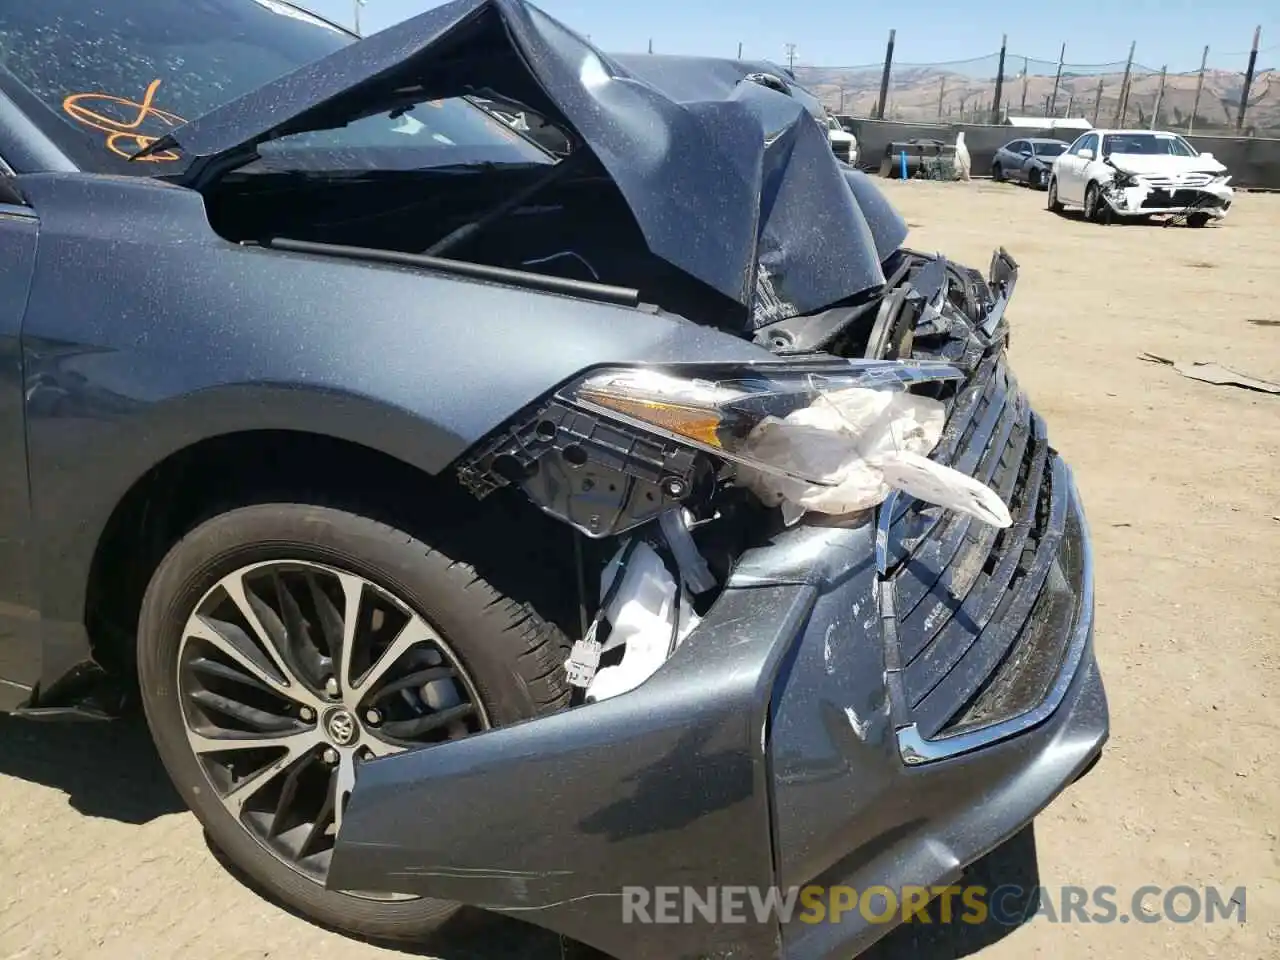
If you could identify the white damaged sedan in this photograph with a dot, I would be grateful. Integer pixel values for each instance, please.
(1139, 173)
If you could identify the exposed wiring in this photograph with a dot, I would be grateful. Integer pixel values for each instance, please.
(564, 253)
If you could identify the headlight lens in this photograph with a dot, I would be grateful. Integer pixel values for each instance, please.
(717, 410)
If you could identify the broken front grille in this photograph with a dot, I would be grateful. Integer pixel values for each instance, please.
(1186, 180)
(1178, 198)
(981, 618)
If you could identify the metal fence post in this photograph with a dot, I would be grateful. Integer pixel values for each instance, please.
(995, 104)
(1248, 80)
(1195, 105)
(884, 77)
(1053, 101)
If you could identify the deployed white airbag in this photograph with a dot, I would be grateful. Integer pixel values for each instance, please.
(864, 443)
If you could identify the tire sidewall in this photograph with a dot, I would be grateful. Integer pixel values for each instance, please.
(428, 582)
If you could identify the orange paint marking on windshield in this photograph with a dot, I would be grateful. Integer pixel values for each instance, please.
(122, 133)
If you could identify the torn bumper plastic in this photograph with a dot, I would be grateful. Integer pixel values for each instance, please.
(1213, 199)
(774, 748)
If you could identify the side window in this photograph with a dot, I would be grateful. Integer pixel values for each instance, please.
(1017, 146)
(1024, 148)
(1088, 142)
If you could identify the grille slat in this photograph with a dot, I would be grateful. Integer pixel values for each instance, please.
(963, 560)
(964, 593)
(963, 628)
(965, 408)
(993, 645)
(990, 442)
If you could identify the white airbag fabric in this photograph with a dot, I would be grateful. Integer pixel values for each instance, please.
(863, 443)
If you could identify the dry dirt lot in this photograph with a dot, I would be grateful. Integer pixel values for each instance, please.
(1182, 483)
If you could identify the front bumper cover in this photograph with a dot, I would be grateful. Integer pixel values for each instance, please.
(1145, 200)
(764, 753)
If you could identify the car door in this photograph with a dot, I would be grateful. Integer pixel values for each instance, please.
(1071, 180)
(19, 621)
(1023, 157)
(1009, 159)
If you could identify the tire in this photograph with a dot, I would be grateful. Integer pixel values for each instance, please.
(1198, 220)
(1035, 179)
(1095, 208)
(997, 173)
(502, 656)
(1052, 201)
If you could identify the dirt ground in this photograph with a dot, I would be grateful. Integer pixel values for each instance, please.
(1182, 483)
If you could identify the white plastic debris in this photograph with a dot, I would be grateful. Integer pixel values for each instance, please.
(862, 443)
(963, 163)
(649, 616)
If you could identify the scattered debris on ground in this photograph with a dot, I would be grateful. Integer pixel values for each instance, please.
(1215, 373)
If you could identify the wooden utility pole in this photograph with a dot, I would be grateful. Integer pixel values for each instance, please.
(791, 56)
(1097, 102)
(942, 93)
(1195, 105)
(1155, 114)
(995, 104)
(1053, 101)
(884, 77)
(739, 49)
(1122, 106)
(1248, 80)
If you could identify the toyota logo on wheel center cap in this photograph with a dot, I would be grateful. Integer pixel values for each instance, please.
(341, 728)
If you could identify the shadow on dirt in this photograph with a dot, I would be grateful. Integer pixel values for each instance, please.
(111, 770)
(107, 770)
(1012, 865)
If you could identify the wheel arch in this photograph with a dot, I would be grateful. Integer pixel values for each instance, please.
(239, 468)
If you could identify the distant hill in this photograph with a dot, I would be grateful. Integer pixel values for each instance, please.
(914, 94)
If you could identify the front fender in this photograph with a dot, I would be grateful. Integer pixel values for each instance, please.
(146, 332)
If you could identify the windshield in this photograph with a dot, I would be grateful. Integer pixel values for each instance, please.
(1149, 144)
(106, 79)
(1048, 149)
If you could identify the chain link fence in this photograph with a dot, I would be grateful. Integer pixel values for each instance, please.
(1118, 93)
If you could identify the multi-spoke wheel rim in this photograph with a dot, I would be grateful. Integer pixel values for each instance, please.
(290, 675)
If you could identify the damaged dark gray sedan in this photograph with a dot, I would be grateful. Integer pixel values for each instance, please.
(481, 525)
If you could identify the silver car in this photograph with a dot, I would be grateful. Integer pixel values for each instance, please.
(1027, 161)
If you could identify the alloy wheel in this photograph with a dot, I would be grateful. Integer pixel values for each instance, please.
(290, 675)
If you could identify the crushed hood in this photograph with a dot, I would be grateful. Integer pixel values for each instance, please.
(730, 181)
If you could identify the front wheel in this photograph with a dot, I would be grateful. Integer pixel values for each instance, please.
(281, 646)
(1095, 208)
(1198, 220)
(1053, 203)
(997, 173)
(1035, 179)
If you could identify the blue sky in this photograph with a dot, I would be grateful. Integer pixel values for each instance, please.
(841, 32)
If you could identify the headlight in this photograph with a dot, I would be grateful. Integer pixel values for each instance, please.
(720, 413)
(833, 439)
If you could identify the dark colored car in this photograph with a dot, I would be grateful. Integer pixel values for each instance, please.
(336, 418)
(1026, 161)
